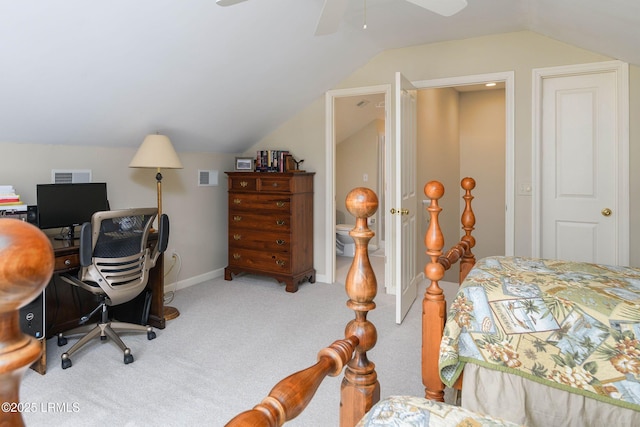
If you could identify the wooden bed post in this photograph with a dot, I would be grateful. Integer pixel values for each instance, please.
(26, 266)
(468, 222)
(433, 303)
(360, 388)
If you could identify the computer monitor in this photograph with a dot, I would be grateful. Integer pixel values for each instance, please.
(68, 205)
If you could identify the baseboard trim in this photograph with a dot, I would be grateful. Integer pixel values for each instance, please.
(195, 280)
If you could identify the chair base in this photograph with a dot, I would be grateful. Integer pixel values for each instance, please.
(104, 330)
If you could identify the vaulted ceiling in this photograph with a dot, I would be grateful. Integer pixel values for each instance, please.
(220, 78)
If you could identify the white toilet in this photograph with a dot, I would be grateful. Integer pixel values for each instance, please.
(345, 245)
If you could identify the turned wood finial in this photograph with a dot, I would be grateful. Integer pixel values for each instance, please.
(434, 240)
(360, 387)
(468, 221)
(26, 266)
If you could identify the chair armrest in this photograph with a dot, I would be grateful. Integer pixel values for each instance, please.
(163, 233)
(86, 247)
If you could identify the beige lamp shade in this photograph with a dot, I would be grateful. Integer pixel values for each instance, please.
(157, 152)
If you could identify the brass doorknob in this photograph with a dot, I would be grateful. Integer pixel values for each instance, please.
(606, 212)
(399, 211)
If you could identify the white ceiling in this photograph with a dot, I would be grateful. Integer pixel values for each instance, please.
(221, 78)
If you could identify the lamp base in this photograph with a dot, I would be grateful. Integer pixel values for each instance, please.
(170, 313)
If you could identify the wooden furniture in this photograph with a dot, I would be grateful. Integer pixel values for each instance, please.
(65, 304)
(26, 265)
(271, 226)
(434, 308)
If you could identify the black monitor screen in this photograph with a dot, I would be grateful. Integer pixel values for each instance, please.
(66, 205)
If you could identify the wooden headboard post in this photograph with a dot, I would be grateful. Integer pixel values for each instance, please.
(433, 303)
(360, 388)
(468, 222)
(26, 266)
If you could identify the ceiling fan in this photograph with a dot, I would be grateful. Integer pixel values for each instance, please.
(333, 10)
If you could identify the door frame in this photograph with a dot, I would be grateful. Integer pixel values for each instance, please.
(330, 145)
(622, 73)
(508, 77)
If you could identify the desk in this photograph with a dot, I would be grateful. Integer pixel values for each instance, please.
(65, 304)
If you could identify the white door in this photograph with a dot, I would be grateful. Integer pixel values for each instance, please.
(582, 194)
(404, 199)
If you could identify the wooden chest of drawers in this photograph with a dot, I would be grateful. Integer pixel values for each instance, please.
(271, 226)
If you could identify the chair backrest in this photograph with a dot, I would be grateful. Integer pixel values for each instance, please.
(114, 252)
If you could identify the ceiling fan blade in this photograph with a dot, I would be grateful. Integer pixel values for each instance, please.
(441, 7)
(331, 16)
(228, 2)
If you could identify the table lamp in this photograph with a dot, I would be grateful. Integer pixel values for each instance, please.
(157, 152)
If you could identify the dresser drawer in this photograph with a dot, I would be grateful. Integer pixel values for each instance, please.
(254, 221)
(279, 262)
(250, 239)
(259, 202)
(275, 183)
(243, 183)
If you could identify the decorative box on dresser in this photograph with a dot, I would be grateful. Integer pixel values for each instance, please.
(271, 226)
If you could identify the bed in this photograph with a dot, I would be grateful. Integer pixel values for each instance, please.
(542, 342)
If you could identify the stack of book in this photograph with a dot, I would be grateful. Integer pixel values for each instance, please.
(9, 200)
(271, 160)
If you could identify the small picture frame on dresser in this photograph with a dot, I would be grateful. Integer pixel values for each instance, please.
(244, 164)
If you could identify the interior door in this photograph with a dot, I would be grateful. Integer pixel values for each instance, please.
(404, 206)
(582, 206)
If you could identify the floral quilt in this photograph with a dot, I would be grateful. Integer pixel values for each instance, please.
(570, 325)
(409, 411)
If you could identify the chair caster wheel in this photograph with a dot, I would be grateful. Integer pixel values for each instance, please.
(66, 363)
(128, 358)
(151, 335)
(61, 340)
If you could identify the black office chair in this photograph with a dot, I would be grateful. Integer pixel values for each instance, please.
(115, 260)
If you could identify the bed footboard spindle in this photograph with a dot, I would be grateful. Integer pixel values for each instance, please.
(433, 303)
(26, 265)
(360, 388)
(291, 395)
(468, 222)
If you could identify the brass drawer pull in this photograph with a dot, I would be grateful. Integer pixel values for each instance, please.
(244, 183)
(237, 237)
(280, 262)
(280, 204)
(280, 242)
(275, 184)
(236, 256)
(237, 201)
(280, 222)
(237, 218)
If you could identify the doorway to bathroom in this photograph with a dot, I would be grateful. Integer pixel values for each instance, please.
(360, 126)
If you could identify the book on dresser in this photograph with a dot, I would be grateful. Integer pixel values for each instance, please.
(271, 226)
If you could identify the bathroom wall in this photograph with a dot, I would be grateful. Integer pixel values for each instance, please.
(356, 157)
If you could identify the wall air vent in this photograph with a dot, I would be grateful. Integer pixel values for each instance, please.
(70, 176)
(207, 178)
